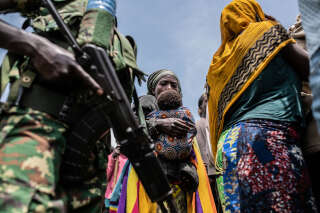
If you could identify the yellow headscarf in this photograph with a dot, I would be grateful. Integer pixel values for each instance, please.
(249, 43)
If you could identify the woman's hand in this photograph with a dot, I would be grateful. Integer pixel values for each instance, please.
(269, 18)
(174, 126)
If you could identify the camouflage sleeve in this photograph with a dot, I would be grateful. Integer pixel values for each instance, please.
(24, 6)
(29, 6)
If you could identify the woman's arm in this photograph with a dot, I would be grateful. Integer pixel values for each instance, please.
(298, 58)
(172, 126)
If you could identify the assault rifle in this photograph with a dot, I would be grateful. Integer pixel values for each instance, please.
(134, 142)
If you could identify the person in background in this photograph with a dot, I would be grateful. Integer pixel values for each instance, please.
(255, 114)
(118, 163)
(310, 15)
(175, 153)
(311, 137)
(148, 104)
(166, 126)
(203, 140)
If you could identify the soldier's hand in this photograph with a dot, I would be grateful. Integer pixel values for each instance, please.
(174, 126)
(57, 64)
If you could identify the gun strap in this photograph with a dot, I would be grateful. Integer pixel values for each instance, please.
(142, 119)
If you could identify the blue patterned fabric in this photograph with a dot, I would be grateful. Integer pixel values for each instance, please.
(263, 169)
(173, 148)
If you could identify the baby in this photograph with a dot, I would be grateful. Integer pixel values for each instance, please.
(170, 106)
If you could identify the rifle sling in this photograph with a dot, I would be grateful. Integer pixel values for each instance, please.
(141, 116)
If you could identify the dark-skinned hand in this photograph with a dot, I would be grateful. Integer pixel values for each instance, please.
(174, 127)
(54, 64)
(268, 17)
(57, 64)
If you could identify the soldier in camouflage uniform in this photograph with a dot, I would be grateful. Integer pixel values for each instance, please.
(32, 141)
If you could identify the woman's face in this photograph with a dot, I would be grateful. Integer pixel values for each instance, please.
(167, 82)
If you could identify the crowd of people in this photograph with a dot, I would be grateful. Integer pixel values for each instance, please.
(255, 148)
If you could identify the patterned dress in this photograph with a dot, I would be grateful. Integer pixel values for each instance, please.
(263, 169)
(174, 148)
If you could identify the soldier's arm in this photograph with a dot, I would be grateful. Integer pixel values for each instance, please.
(7, 4)
(19, 5)
(51, 61)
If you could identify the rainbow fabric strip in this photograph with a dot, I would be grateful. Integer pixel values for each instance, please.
(134, 199)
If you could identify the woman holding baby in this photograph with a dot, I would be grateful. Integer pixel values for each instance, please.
(172, 128)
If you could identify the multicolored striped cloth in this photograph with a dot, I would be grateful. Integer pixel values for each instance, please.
(112, 202)
(173, 148)
(133, 198)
